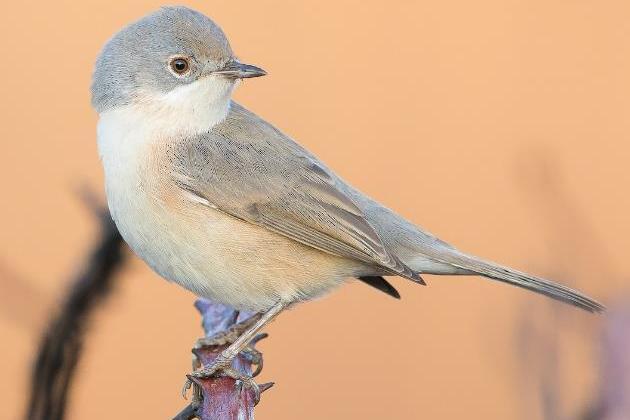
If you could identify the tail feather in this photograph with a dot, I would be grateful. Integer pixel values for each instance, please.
(381, 284)
(519, 279)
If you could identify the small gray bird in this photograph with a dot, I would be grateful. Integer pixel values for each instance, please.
(218, 200)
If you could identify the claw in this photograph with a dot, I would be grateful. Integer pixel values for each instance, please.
(186, 387)
(259, 368)
(254, 357)
(220, 369)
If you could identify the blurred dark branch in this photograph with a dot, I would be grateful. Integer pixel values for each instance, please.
(62, 342)
(221, 397)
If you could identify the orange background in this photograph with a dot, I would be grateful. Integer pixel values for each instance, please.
(500, 125)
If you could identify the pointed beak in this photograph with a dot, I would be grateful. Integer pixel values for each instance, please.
(237, 70)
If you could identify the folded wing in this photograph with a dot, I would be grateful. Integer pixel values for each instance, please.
(249, 170)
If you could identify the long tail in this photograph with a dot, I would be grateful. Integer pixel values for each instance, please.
(517, 278)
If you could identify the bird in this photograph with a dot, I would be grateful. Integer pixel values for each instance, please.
(218, 200)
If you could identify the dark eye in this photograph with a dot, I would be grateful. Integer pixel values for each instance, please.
(180, 65)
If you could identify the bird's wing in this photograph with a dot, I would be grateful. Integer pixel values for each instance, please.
(249, 170)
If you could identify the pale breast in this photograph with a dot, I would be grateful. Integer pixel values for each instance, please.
(188, 242)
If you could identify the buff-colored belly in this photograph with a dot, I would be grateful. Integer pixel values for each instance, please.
(225, 259)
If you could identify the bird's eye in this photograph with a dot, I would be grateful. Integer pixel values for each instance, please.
(180, 65)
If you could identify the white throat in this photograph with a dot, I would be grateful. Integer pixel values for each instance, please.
(127, 135)
(185, 111)
(193, 108)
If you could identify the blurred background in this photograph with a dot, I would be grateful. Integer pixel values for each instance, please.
(502, 126)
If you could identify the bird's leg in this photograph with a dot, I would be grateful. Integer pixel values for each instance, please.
(229, 336)
(222, 365)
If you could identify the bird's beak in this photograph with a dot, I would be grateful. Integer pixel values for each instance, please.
(237, 70)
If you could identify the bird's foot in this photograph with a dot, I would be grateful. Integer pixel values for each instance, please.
(223, 368)
(229, 336)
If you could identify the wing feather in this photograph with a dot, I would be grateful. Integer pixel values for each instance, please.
(248, 169)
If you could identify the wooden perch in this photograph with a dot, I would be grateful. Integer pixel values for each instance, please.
(221, 397)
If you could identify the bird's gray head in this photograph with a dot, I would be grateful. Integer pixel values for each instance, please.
(167, 57)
